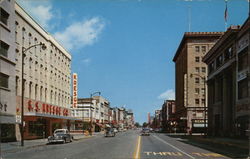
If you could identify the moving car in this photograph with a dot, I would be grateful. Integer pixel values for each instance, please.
(60, 135)
(109, 132)
(145, 132)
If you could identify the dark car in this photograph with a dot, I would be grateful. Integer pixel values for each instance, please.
(60, 135)
(145, 132)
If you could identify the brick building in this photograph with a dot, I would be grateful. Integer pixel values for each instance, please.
(190, 73)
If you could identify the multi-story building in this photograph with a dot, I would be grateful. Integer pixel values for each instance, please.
(7, 70)
(129, 119)
(47, 76)
(103, 105)
(190, 77)
(168, 115)
(228, 83)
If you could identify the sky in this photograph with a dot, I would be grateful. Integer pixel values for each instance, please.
(124, 48)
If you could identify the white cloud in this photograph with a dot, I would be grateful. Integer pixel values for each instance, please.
(41, 11)
(80, 34)
(167, 95)
(86, 61)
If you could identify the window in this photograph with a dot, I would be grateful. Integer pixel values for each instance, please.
(211, 67)
(197, 80)
(219, 61)
(4, 49)
(203, 101)
(203, 69)
(243, 62)
(4, 16)
(197, 49)
(197, 101)
(197, 69)
(228, 53)
(243, 89)
(203, 49)
(197, 90)
(197, 59)
(4, 80)
(203, 91)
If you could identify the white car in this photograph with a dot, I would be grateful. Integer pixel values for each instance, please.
(115, 130)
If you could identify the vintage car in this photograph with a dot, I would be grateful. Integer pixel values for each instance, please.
(145, 132)
(60, 135)
(109, 132)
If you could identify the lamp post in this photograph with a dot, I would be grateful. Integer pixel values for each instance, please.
(91, 95)
(22, 106)
(205, 109)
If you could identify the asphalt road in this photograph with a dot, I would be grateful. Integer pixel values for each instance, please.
(125, 145)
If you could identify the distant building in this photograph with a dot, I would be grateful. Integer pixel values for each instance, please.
(168, 115)
(190, 72)
(229, 83)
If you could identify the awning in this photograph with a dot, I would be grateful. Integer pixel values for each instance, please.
(51, 116)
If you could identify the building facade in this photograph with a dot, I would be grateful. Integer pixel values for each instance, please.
(47, 78)
(7, 71)
(190, 77)
(228, 83)
(168, 116)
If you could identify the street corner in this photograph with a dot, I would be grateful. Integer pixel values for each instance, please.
(169, 154)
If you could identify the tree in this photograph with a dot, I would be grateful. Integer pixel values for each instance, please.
(145, 124)
(137, 125)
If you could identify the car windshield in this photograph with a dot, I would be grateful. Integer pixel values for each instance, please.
(60, 132)
(124, 79)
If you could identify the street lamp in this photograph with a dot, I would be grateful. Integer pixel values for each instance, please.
(91, 95)
(204, 82)
(43, 46)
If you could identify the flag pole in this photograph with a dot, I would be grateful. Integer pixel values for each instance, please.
(225, 15)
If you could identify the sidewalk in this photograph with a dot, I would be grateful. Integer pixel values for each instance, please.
(11, 147)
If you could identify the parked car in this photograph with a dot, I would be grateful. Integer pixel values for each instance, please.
(115, 130)
(60, 135)
(109, 132)
(145, 132)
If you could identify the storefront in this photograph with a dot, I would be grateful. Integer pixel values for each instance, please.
(41, 119)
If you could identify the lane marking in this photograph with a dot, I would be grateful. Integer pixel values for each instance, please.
(138, 148)
(173, 146)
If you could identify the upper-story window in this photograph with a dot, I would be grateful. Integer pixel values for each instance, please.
(203, 49)
(219, 61)
(4, 49)
(197, 59)
(243, 60)
(4, 16)
(4, 80)
(228, 53)
(211, 67)
(197, 80)
(197, 69)
(203, 69)
(197, 48)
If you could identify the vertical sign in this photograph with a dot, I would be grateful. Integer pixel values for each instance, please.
(74, 90)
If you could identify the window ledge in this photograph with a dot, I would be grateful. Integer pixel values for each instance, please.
(5, 26)
(4, 88)
(6, 59)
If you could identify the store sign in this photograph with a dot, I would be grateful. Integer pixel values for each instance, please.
(74, 90)
(38, 107)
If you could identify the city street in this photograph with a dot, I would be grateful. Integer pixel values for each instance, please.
(124, 145)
